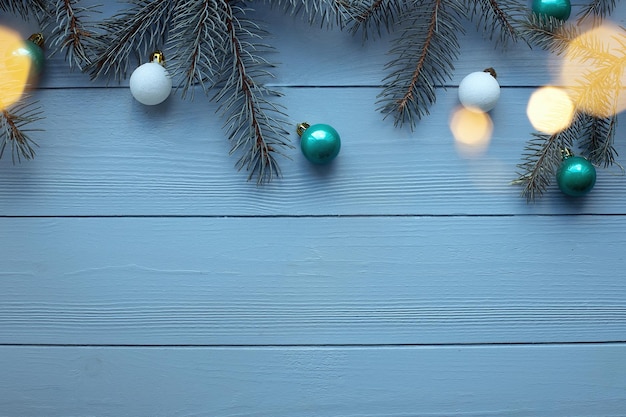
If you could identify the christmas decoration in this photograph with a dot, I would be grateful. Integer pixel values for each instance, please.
(33, 49)
(150, 83)
(216, 47)
(558, 9)
(479, 91)
(576, 176)
(596, 93)
(320, 143)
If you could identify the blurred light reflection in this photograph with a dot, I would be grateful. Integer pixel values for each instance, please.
(593, 70)
(550, 110)
(14, 68)
(472, 131)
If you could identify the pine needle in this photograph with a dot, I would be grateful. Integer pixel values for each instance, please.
(13, 132)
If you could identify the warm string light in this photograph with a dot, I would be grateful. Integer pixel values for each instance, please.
(15, 68)
(591, 81)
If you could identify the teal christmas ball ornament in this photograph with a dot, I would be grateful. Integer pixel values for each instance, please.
(320, 143)
(33, 49)
(576, 176)
(559, 9)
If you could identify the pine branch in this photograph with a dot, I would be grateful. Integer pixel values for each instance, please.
(26, 9)
(13, 134)
(548, 33)
(323, 12)
(70, 32)
(255, 125)
(423, 58)
(136, 31)
(596, 9)
(370, 16)
(197, 40)
(501, 19)
(598, 145)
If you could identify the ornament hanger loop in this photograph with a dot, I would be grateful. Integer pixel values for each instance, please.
(302, 127)
(158, 57)
(566, 153)
(37, 39)
(491, 72)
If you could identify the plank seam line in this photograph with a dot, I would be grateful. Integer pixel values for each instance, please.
(320, 346)
(298, 216)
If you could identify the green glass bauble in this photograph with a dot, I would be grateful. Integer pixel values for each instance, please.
(32, 48)
(559, 9)
(576, 176)
(320, 143)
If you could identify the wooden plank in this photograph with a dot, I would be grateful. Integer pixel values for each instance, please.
(315, 56)
(121, 158)
(286, 281)
(550, 381)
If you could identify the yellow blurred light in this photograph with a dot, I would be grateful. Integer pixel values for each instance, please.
(14, 68)
(472, 130)
(593, 70)
(550, 110)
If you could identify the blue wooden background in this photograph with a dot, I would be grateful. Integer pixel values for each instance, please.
(141, 275)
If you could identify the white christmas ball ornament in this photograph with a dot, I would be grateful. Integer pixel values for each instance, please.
(479, 91)
(150, 83)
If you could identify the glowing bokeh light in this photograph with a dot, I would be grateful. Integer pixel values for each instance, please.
(593, 70)
(550, 110)
(472, 131)
(14, 68)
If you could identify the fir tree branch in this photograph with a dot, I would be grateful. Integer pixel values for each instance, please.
(197, 40)
(423, 58)
(70, 32)
(370, 16)
(13, 134)
(596, 9)
(26, 9)
(502, 18)
(250, 121)
(548, 33)
(324, 12)
(129, 33)
(542, 157)
(598, 146)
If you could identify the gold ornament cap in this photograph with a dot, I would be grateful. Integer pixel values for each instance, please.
(302, 127)
(491, 72)
(158, 57)
(37, 39)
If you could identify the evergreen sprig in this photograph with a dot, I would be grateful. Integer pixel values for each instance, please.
(128, 35)
(423, 57)
(598, 144)
(315, 12)
(14, 134)
(499, 19)
(371, 16)
(255, 125)
(26, 9)
(542, 157)
(596, 9)
(72, 33)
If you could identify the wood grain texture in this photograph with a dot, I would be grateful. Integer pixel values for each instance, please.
(251, 281)
(141, 275)
(540, 381)
(126, 159)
